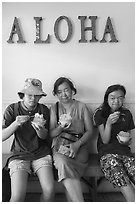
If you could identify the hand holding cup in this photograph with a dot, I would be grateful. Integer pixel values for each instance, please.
(38, 121)
(65, 120)
(123, 137)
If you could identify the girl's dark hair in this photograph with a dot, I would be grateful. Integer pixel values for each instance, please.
(21, 95)
(60, 81)
(105, 107)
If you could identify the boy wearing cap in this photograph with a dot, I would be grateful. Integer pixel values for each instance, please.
(28, 120)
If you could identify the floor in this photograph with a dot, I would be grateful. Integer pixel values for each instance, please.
(102, 197)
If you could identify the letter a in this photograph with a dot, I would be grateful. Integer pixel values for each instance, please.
(109, 29)
(16, 30)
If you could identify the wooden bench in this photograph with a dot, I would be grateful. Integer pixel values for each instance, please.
(92, 173)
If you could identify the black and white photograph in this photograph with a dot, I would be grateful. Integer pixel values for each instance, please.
(68, 101)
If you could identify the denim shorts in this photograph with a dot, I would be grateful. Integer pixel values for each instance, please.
(35, 165)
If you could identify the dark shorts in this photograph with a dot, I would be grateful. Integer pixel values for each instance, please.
(118, 169)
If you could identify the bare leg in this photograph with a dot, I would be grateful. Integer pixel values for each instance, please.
(46, 179)
(67, 196)
(74, 190)
(18, 186)
(128, 192)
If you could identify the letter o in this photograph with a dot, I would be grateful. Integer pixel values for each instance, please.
(56, 31)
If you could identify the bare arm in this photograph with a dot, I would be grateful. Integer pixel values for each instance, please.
(42, 132)
(88, 127)
(74, 147)
(105, 131)
(8, 131)
(54, 130)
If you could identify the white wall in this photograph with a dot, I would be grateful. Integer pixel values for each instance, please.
(92, 66)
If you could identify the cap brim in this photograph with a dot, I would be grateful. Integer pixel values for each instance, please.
(38, 93)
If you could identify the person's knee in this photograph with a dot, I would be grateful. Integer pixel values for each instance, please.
(59, 160)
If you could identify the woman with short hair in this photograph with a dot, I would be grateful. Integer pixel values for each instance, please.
(70, 129)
